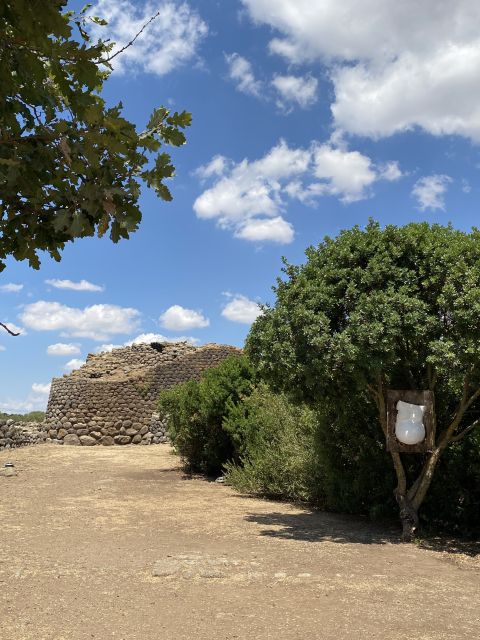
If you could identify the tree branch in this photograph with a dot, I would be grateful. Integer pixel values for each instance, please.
(129, 44)
(12, 333)
(463, 433)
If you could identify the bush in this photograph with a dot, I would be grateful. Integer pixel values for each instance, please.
(196, 409)
(274, 440)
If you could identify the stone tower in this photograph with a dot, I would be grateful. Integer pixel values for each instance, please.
(112, 398)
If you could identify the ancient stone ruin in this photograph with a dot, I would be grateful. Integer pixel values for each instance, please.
(20, 434)
(112, 398)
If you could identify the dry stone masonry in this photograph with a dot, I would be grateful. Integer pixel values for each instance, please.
(20, 434)
(112, 398)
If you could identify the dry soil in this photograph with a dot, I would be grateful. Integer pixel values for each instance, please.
(117, 543)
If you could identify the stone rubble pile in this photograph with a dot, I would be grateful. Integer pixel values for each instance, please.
(20, 434)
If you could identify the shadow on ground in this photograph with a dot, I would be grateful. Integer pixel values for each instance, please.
(318, 526)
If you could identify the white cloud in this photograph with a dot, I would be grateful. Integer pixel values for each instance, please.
(241, 309)
(250, 197)
(177, 318)
(2, 348)
(73, 364)
(216, 167)
(62, 349)
(168, 42)
(430, 192)
(99, 321)
(300, 90)
(35, 401)
(40, 387)
(240, 71)
(266, 230)
(346, 174)
(31, 403)
(466, 186)
(83, 285)
(391, 172)
(147, 338)
(10, 287)
(394, 65)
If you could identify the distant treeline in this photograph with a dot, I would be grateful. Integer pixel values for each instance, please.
(33, 416)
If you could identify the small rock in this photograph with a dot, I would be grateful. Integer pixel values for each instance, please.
(107, 441)
(87, 441)
(122, 439)
(72, 439)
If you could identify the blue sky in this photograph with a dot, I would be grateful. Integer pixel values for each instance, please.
(309, 116)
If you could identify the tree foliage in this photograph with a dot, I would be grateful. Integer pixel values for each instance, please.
(70, 165)
(376, 309)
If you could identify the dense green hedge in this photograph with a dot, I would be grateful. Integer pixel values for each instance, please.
(333, 457)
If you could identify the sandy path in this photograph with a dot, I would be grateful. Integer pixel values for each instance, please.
(84, 530)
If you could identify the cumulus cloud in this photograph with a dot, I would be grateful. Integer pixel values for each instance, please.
(266, 230)
(430, 192)
(33, 402)
(295, 90)
(74, 363)
(394, 65)
(2, 348)
(241, 309)
(40, 387)
(63, 349)
(178, 318)
(83, 285)
(168, 42)
(10, 287)
(250, 197)
(99, 321)
(147, 338)
(216, 167)
(241, 72)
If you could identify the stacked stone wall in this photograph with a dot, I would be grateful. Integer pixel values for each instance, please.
(20, 434)
(113, 399)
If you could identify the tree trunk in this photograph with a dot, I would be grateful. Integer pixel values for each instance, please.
(408, 517)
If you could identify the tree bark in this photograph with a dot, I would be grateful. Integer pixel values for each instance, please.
(408, 517)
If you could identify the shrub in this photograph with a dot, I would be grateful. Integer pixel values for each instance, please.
(275, 444)
(195, 411)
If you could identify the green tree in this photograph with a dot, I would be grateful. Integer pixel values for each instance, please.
(70, 166)
(376, 309)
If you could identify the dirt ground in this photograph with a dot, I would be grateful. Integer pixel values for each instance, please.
(115, 542)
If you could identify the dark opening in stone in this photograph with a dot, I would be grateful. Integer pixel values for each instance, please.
(158, 346)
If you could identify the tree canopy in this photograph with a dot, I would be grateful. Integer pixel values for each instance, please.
(70, 165)
(381, 308)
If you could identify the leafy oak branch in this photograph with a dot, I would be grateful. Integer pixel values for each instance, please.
(70, 166)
